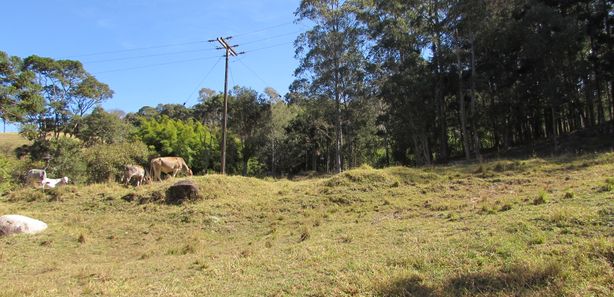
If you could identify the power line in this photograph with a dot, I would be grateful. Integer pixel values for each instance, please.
(254, 72)
(270, 38)
(136, 49)
(268, 47)
(232, 78)
(263, 29)
(202, 80)
(172, 44)
(159, 64)
(148, 56)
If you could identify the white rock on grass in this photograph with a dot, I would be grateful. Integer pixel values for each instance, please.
(15, 224)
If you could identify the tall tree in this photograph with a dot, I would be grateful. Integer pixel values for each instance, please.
(19, 92)
(248, 118)
(331, 60)
(69, 92)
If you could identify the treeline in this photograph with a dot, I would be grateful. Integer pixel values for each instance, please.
(442, 79)
(379, 82)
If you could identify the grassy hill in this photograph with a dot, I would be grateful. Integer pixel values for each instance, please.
(538, 227)
(10, 141)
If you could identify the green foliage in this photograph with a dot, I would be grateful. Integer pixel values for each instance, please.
(101, 127)
(66, 159)
(197, 144)
(18, 90)
(249, 117)
(7, 166)
(256, 168)
(541, 198)
(53, 95)
(105, 162)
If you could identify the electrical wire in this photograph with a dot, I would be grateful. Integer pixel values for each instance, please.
(254, 72)
(269, 38)
(202, 80)
(136, 49)
(148, 56)
(159, 64)
(268, 47)
(232, 78)
(172, 44)
(262, 30)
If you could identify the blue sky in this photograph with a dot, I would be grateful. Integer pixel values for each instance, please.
(156, 51)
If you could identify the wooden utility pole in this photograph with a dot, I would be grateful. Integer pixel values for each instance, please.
(229, 51)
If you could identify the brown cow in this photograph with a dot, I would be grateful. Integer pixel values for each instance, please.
(168, 165)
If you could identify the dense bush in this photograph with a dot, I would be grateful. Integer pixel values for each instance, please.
(103, 127)
(7, 166)
(199, 145)
(105, 161)
(66, 159)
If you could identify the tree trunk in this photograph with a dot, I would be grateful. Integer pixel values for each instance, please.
(476, 137)
(590, 112)
(461, 102)
(600, 108)
(273, 157)
(338, 136)
(244, 171)
(554, 132)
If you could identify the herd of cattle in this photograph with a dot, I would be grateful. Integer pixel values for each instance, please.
(168, 165)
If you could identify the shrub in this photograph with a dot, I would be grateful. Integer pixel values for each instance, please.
(7, 166)
(255, 167)
(66, 159)
(105, 161)
(505, 207)
(541, 198)
(569, 195)
(609, 185)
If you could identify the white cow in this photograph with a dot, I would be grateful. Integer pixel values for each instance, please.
(35, 176)
(15, 224)
(52, 182)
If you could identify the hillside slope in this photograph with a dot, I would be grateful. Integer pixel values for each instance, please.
(10, 141)
(538, 227)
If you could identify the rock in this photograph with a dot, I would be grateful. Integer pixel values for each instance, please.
(15, 224)
(182, 191)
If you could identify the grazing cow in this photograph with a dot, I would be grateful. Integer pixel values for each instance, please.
(52, 182)
(133, 171)
(35, 176)
(168, 165)
(15, 224)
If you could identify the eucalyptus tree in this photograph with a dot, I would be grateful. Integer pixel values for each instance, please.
(332, 63)
(249, 115)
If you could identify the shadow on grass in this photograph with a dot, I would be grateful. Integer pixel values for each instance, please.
(517, 280)
(408, 287)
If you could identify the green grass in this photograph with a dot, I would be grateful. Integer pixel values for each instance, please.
(10, 141)
(464, 230)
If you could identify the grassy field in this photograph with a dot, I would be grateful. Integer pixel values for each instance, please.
(538, 227)
(10, 141)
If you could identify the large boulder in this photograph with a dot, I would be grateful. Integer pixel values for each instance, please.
(182, 191)
(15, 224)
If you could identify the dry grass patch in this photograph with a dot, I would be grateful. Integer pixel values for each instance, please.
(440, 231)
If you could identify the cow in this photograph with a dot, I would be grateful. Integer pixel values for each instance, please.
(168, 165)
(35, 176)
(133, 171)
(52, 182)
